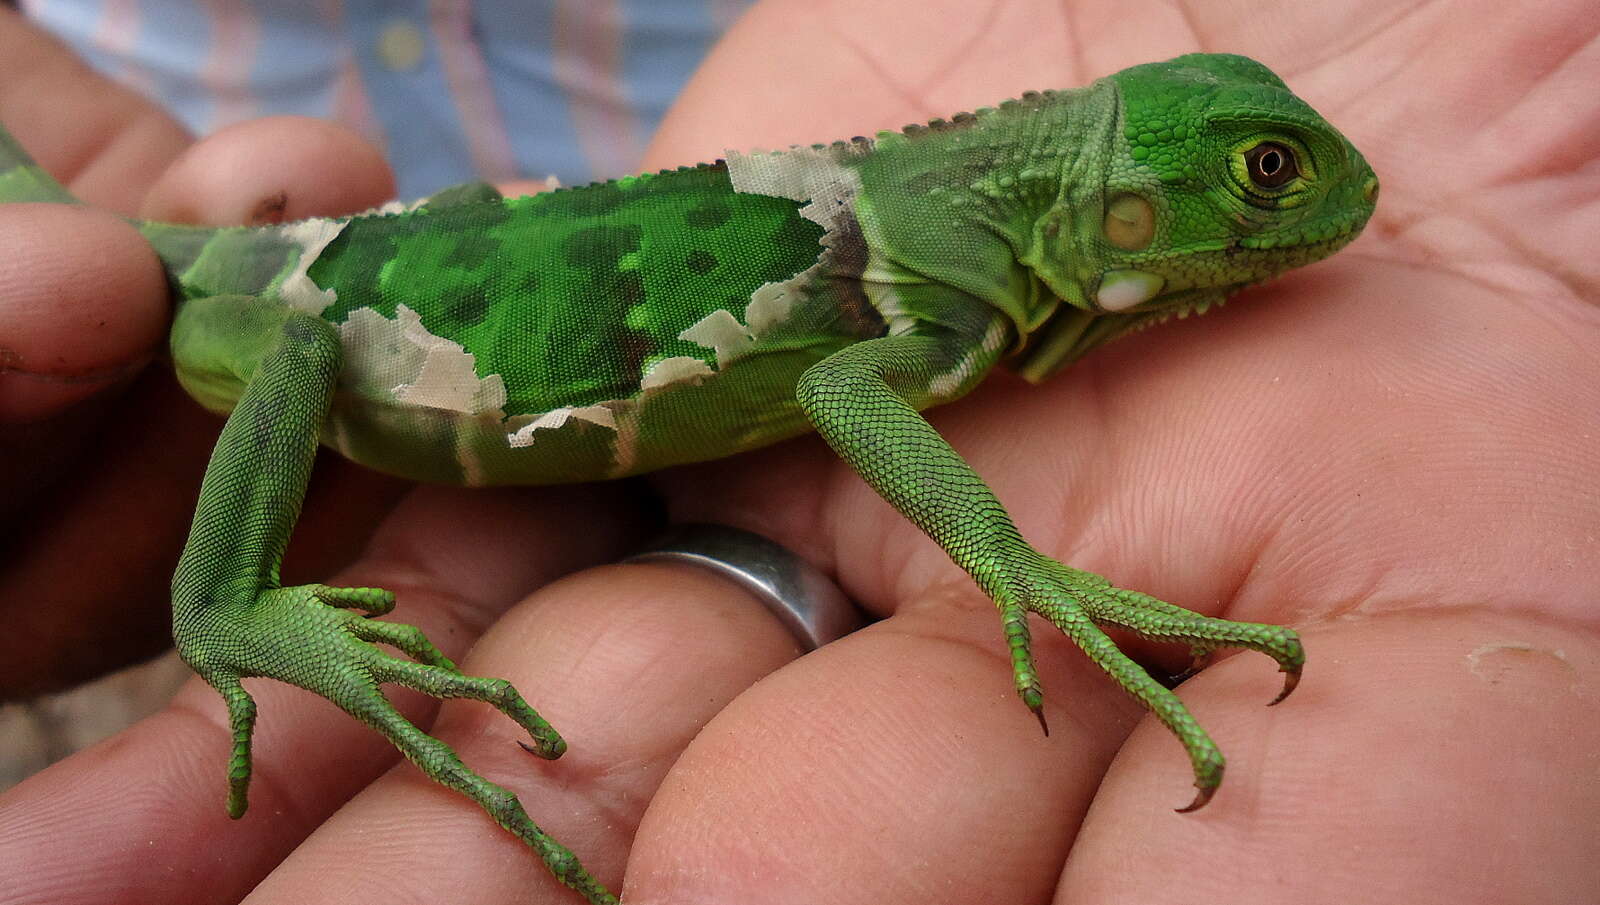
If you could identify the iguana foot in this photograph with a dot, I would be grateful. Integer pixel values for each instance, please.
(1079, 603)
(320, 639)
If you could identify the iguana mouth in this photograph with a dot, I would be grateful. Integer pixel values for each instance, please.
(1332, 231)
(1071, 332)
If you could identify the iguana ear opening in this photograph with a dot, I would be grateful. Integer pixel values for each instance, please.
(1130, 222)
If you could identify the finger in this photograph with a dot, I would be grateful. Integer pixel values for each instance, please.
(628, 663)
(163, 782)
(83, 307)
(762, 87)
(893, 766)
(271, 170)
(90, 596)
(66, 336)
(1445, 757)
(100, 139)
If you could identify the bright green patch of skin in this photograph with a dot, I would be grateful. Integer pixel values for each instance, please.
(568, 295)
(693, 314)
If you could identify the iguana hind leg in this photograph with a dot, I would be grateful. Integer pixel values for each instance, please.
(232, 619)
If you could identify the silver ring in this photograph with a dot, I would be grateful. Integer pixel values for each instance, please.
(798, 593)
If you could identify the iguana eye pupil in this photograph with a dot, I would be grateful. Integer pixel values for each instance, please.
(1270, 165)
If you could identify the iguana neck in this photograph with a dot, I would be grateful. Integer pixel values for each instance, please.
(1009, 182)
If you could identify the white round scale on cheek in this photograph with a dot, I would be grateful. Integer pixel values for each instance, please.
(1123, 289)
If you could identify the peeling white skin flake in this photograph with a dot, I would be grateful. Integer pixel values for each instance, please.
(945, 385)
(556, 418)
(677, 369)
(720, 331)
(400, 358)
(801, 174)
(297, 289)
(770, 304)
(389, 208)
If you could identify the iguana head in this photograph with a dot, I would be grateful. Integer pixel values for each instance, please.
(1217, 177)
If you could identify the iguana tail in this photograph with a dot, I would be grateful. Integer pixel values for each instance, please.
(23, 180)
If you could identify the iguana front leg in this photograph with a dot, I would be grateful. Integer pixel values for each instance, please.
(231, 618)
(858, 400)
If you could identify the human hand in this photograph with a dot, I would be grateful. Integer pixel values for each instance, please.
(1391, 450)
(102, 457)
(100, 451)
(82, 311)
(1351, 441)
(108, 539)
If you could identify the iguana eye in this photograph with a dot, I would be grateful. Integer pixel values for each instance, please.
(1271, 165)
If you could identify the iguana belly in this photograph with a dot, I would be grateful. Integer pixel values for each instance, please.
(747, 404)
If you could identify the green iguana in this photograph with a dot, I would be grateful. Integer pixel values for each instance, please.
(616, 328)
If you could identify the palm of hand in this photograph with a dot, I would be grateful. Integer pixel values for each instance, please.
(1387, 450)
(1373, 439)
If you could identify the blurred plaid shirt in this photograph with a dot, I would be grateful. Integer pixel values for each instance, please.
(453, 90)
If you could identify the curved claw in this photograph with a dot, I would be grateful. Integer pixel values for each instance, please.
(1033, 699)
(1291, 679)
(548, 752)
(1197, 661)
(1200, 799)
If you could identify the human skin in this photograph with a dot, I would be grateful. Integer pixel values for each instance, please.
(1391, 451)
